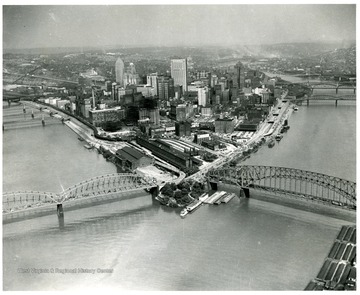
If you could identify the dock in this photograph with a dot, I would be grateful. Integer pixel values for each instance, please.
(338, 271)
(219, 200)
(228, 198)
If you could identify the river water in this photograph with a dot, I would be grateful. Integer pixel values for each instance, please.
(243, 245)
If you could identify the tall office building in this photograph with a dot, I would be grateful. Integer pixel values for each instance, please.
(119, 71)
(152, 80)
(130, 75)
(203, 96)
(165, 88)
(179, 72)
(239, 81)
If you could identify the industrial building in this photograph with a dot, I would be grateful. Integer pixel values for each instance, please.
(225, 125)
(162, 150)
(130, 159)
(99, 118)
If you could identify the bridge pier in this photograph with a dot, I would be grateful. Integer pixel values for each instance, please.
(155, 191)
(336, 90)
(60, 211)
(244, 192)
(336, 102)
(213, 186)
(307, 102)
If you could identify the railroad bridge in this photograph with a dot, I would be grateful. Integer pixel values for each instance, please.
(297, 183)
(110, 186)
(330, 85)
(324, 97)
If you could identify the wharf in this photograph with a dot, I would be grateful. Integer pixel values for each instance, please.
(339, 269)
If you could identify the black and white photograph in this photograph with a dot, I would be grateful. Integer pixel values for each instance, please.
(186, 146)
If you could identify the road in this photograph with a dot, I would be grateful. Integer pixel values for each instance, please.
(258, 135)
(87, 134)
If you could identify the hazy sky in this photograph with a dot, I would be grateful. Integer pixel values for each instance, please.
(53, 26)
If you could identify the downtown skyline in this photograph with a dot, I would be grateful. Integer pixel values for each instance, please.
(39, 26)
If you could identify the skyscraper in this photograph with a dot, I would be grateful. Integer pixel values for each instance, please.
(130, 76)
(152, 80)
(179, 72)
(203, 94)
(239, 81)
(165, 88)
(119, 71)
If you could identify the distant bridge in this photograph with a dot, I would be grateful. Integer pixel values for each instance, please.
(106, 186)
(330, 85)
(324, 97)
(288, 181)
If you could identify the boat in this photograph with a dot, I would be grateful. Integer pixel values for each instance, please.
(278, 137)
(228, 198)
(184, 212)
(88, 146)
(295, 108)
(270, 132)
(218, 201)
(271, 143)
(203, 197)
(284, 128)
(194, 205)
(80, 138)
(216, 197)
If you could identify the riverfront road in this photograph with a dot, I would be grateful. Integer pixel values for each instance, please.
(258, 135)
(86, 133)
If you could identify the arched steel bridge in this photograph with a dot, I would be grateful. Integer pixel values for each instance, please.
(101, 186)
(292, 182)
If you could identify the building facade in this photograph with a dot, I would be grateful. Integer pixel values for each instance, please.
(99, 118)
(239, 81)
(183, 128)
(224, 125)
(119, 72)
(152, 80)
(179, 72)
(203, 96)
(165, 88)
(130, 159)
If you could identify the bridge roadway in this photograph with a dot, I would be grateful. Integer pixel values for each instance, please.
(103, 187)
(324, 97)
(329, 85)
(299, 183)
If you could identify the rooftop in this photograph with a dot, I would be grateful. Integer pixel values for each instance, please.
(129, 154)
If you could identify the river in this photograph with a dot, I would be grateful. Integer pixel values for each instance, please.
(243, 245)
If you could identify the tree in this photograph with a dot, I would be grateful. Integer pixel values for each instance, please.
(178, 195)
(184, 185)
(184, 191)
(167, 190)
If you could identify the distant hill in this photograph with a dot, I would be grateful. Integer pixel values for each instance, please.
(295, 49)
(265, 50)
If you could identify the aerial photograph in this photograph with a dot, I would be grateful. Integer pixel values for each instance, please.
(183, 147)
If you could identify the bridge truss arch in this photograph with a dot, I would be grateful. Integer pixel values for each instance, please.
(290, 181)
(21, 200)
(106, 185)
